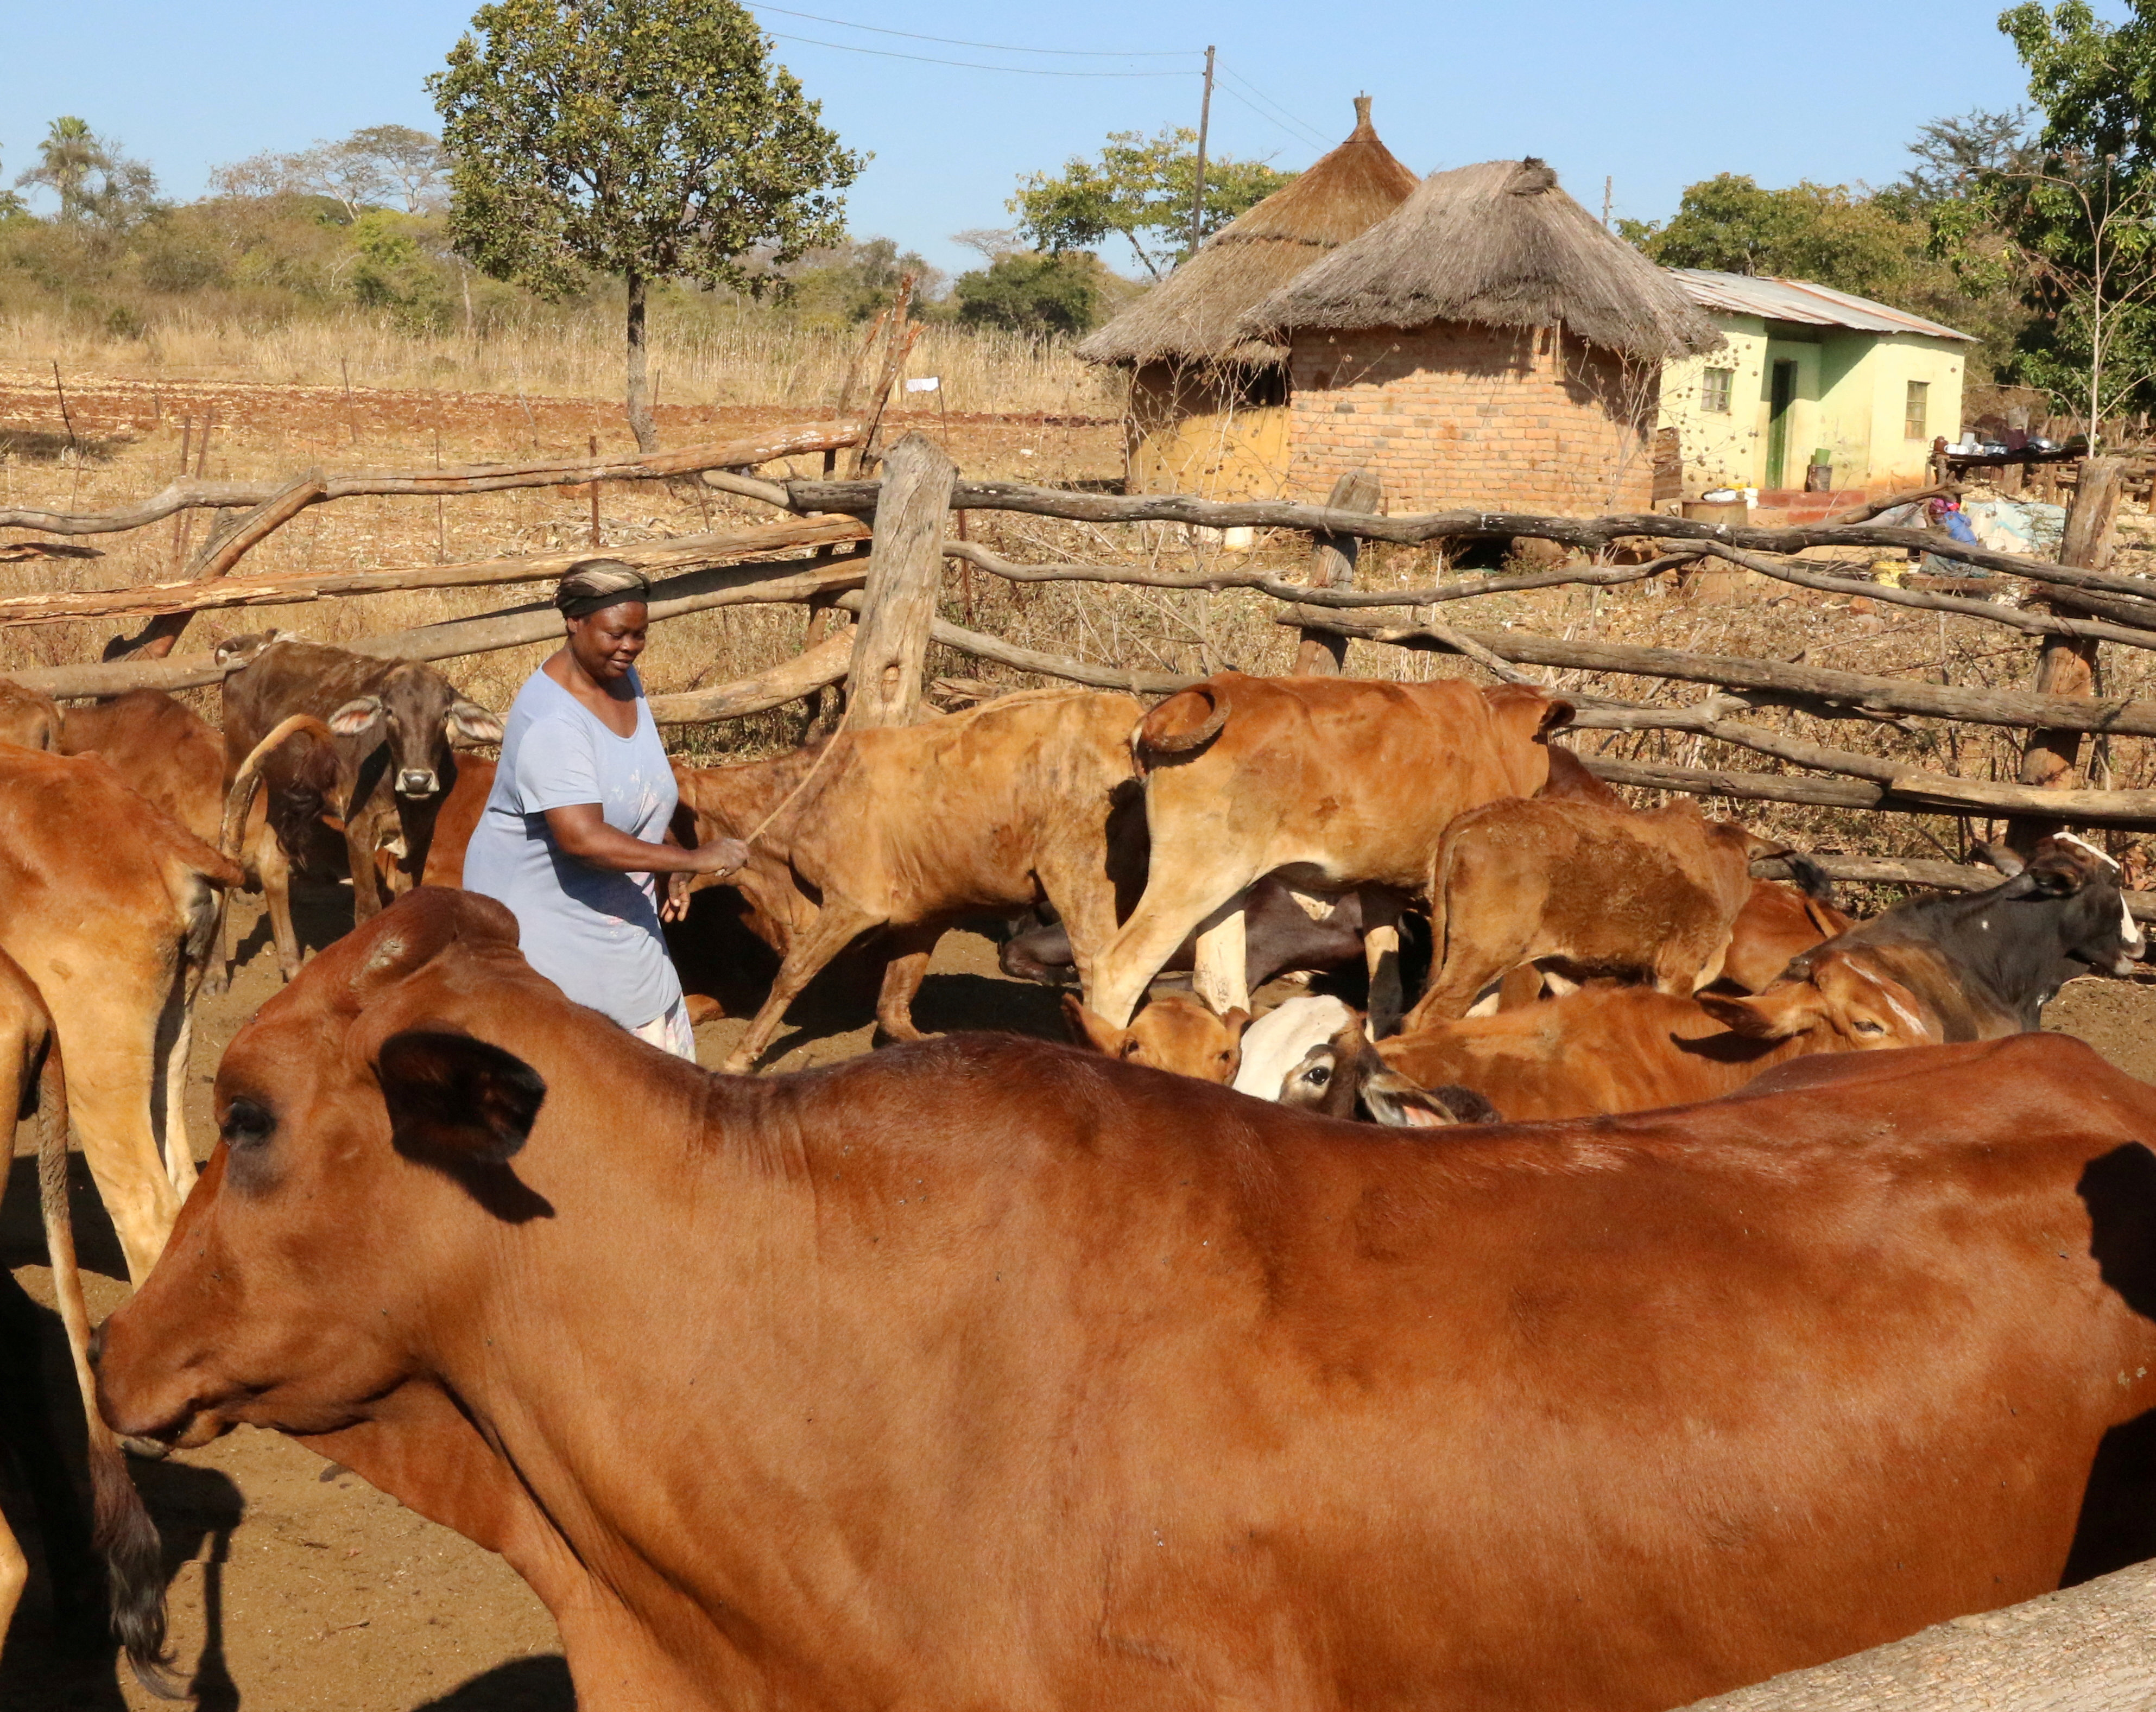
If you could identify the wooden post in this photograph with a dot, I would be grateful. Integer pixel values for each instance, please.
(898, 603)
(2065, 665)
(595, 494)
(1323, 652)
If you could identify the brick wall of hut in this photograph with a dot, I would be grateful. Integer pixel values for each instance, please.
(1453, 415)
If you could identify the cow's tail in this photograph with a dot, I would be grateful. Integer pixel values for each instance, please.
(122, 1530)
(1187, 720)
(239, 798)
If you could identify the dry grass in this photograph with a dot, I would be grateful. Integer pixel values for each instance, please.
(270, 430)
(749, 360)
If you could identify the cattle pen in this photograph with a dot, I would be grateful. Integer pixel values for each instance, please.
(846, 548)
(878, 586)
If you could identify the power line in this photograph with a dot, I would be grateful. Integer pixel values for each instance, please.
(1281, 115)
(967, 64)
(991, 47)
(1229, 90)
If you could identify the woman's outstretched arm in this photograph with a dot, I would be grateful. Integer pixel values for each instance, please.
(582, 831)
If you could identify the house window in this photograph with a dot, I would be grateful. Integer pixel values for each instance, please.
(1912, 412)
(1714, 386)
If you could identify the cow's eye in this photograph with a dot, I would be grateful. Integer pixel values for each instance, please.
(1864, 1025)
(247, 1123)
(1317, 1075)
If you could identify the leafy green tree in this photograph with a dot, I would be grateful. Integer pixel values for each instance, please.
(1954, 153)
(644, 138)
(95, 183)
(851, 281)
(1846, 239)
(1035, 293)
(2069, 219)
(1139, 185)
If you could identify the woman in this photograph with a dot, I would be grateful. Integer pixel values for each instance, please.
(578, 821)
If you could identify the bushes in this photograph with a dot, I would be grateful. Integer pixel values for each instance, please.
(1038, 294)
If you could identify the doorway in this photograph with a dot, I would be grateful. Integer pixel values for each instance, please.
(1781, 392)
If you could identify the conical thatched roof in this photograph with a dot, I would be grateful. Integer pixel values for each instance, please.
(1501, 245)
(1192, 314)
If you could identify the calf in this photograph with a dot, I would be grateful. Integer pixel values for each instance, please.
(1778, 922)
(909, 831)
(1602, 892)
(1335, 784)
(1632, 1048)
(996, 1374)
(1344, 1078)
(382, 775)
(1176, 1031)
(111, 908)
(106, 1577)
(1279, 936)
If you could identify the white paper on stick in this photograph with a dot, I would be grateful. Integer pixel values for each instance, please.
(925, 383)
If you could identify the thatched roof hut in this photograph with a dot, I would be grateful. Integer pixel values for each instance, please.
(1192, 315)
(1496, 245)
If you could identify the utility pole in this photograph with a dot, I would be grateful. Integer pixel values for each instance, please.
(1204, 121)
(1608, 179)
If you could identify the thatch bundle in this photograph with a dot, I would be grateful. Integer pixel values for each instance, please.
(1192, 315)
(1498, 245)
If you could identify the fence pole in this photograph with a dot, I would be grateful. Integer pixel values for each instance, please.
(898, 603)
(1332, 559)
(2067, 665)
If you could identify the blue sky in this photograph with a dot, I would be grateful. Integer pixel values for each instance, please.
(1654, 95)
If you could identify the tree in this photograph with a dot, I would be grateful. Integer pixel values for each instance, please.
(1952, 154)
(1139, 184)
(95, 183)
(1034, 293)
(2071, 215)
(645, 139)
(1838, 236)
(366, 171)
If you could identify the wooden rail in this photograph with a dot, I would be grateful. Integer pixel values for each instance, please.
(470, 479)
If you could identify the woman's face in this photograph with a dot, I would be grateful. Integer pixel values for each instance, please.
(606, 642)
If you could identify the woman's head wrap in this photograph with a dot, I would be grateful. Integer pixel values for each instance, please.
(599, 582)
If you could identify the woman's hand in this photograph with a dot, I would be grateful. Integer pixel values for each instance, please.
(720, 857)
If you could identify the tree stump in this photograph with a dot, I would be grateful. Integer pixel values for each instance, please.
(1332, 559)
(898, 603)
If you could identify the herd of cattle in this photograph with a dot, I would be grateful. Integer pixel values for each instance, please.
(996, 1371)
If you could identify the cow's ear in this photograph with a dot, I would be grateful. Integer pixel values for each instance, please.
(1394, 1101)
(1560, 714)
(473, 723)
(1088, 1029)
(1773, 1015)
(355, 715)
(1235, 1021)
(454, 1099)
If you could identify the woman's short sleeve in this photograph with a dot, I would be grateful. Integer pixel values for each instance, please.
(557, 767)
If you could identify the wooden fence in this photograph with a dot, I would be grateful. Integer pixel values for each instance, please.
(2070, 607)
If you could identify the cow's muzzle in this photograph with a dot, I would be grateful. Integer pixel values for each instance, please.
(417, 782)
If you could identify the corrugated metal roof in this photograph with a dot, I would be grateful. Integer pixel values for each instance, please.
(1801, 301)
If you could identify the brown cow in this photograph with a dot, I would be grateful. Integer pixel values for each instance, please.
(1176, 1031)
(29, 717)
(996, 1374)
(173, 758)
(1778, 922)
(471, 782)
(1603, 892)
(110, 906)
(1632, 1048)
(107, 1579)
(993, 810)
(393, 722)
(1336, 784)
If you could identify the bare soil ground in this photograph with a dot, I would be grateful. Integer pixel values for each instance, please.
(297, 1587)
